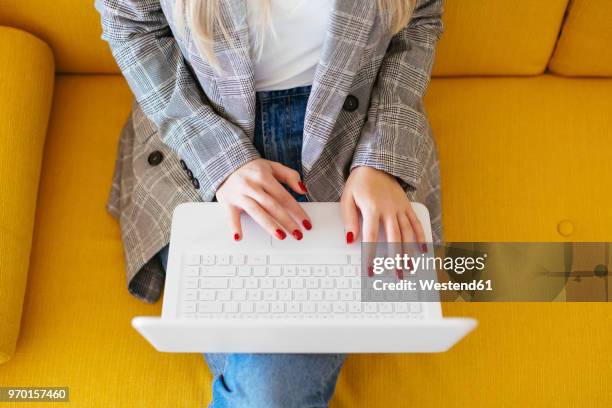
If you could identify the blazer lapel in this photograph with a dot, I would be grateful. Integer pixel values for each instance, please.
(349, 28)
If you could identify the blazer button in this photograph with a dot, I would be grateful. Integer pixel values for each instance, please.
(351, 103)
(155, 158)
(196, 183)
(189, 173)
(183, 164)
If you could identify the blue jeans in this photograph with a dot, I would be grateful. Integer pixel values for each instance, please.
(275, 380)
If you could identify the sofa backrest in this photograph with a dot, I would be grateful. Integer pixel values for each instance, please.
(483, 37)
(585, 44)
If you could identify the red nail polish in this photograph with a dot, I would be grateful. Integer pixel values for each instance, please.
(297, 234)
(349, 237)
(236, 237)
(400, 274)
(302, 186)
(280, 234)
(410, 264)
(370, 271)
(307, 225)
(424, 248)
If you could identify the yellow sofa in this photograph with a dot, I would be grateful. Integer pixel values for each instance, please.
(526, 155)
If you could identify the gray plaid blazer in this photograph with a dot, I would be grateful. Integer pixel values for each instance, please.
(191, 127)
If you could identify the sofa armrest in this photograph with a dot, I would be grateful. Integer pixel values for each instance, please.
(26, 90)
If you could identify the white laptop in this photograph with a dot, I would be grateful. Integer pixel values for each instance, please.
(262, 295)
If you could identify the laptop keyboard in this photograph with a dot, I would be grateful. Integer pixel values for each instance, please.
(298, 286)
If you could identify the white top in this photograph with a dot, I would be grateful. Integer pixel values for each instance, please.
(292, 42)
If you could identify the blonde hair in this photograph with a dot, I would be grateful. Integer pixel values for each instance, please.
(202, 15)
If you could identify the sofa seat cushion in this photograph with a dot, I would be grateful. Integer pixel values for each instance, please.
(523, 157)
(584, 47)
(76, 328)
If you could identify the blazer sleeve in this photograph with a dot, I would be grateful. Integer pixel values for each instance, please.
(395, 136)
(150, 58)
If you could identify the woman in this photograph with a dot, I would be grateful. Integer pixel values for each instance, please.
(260, 104)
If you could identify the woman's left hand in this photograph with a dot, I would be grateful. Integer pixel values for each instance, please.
(379, 197)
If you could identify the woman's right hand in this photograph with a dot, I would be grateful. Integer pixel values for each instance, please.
(256, 189)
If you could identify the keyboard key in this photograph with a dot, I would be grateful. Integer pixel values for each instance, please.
(266, 283)
(192, 259)
(354, 307)
(343, 283)
(251, 283)
(296, 283)
(327, 283)
(303, 271)
(206, 294)
(293, 307)
(324, 307)
(289, 270)
(401, 307)
(313, 259)
(257, 259)
(370, 307)
(269, 295)
(247, 307)
(334, 270)
(191, 283)
(316, 295)
(236, 283)
(339, 307)
(208, 259)
(192, 271)
(218, 271)
(346, 295)
(239, 294)
(223, 260)
(214, 283)
(415, 308)
(319, 270)
(385, 307)
(355, 259)
(244, 271)
(210, 307)
(301, 295)
(277, 307)
(238, 259)
(189, 307)
(259, 271)
(230, 307)
(262, 307)
(309, 307)
(274, 271)
(355, 283)
(255, 295)
(330, 295)
(224, 295)
(285, 295)
(190, 295)
(312, 283)
(282, 283)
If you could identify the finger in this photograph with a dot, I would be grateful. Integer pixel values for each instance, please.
(371, 222)
(233, 216)
(417, 228)
(280, 193)
(288, 176)
(407, 237)
(261, 217)
(350, 217)
(394, 240)
(278, 212)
